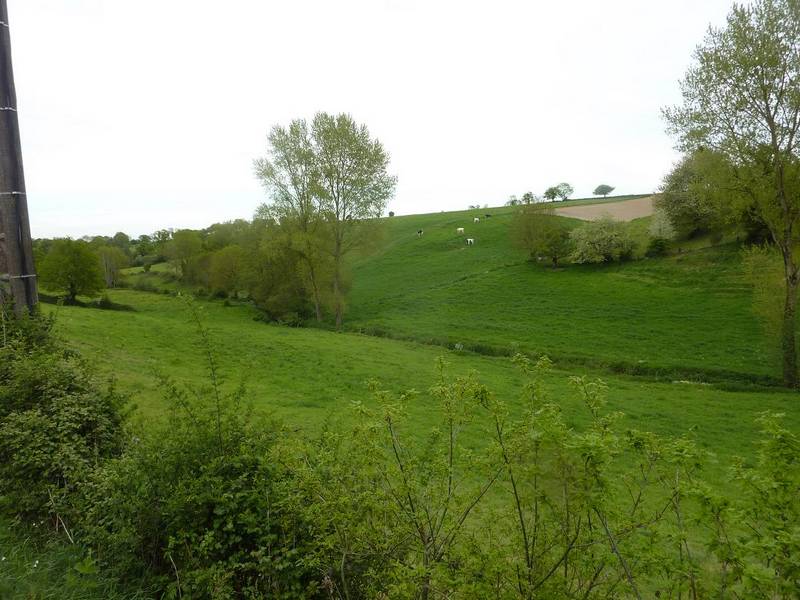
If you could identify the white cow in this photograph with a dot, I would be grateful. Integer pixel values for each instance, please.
(460, 230)
(476, 220)
(470, 242)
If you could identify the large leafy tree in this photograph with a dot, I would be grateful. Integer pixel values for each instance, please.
(690, 194)
(112, 261)
(71, 267)
(290, 174)
(562, 191)
(354, 186)
(603, 190)
(741, 98)
(537, 230)
(184, 245)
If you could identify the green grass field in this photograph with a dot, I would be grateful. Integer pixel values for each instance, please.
(307, 376)
(673, 338)
(688, 315)
(670, 322)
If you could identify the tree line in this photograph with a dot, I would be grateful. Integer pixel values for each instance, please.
(327, 183)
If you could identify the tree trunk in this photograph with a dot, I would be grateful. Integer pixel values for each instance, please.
(337, 274)
(337, 298)
(314, 290)
(788, 343)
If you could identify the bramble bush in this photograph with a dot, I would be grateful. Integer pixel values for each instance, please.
(57, 424)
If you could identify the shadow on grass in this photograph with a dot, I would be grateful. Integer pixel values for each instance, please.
(103, 303)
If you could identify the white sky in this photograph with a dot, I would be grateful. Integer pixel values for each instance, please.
(142, 114)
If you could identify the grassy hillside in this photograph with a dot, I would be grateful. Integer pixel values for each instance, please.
(681, 318)
(685, 316)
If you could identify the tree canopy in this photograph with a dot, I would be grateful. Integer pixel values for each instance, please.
(71, 267)
(562, 191)
(741, 99)
(327, 185)
(537, 230)
(603, 190)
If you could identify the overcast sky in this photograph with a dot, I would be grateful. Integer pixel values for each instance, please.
(143, 114)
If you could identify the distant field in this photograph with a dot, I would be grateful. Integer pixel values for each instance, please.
(624, 210)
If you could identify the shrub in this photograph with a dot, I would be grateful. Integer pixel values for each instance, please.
(56, 423)
(196, 507)
(603, 240)
(144, 286)
(657, 246)
(537, 230)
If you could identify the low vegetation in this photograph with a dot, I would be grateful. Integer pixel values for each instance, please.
(216, 501)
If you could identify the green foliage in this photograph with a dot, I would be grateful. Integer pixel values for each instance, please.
(70, 266)
(354, 186)
(562, 191)
(521, 498)
(195, 506)
(603, 190)
(112, 261)
(184, 245)
(661, 226)
(550, 193)
(657, 246)
(274, 275)
(328, 184)
(34, 564)
(741, 99)
(56, 422)
(687, 196)
(603, 240)
(537, 230)
(227, 265)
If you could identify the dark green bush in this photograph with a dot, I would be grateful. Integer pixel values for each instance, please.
(657, 246)
(56, 422)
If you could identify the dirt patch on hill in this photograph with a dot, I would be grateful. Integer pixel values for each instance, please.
(626, 210)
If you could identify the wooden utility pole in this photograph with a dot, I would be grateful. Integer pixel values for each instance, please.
(17, 273)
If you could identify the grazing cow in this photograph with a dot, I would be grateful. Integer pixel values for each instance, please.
(487, 215)
(476, 220)
(470, 242)
(460, 230)
(419, 232)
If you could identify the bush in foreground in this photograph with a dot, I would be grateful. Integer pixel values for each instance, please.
(56, 422)
(214, 503)
(195, 506)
